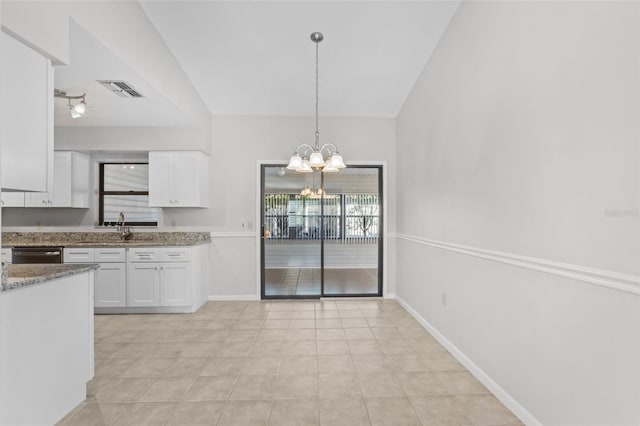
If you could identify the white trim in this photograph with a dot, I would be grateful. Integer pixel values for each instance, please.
(238, 297)
(610, 279)
(389, 296)
(525, 416)
(246, 234)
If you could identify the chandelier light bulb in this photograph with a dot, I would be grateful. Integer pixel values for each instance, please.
(295, 162)
(336, 161)
(305, 167)
(316, 160)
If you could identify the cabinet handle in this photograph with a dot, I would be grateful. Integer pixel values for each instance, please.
(44, 201)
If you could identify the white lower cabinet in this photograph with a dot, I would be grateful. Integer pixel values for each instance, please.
(164, 283)
(111, 285)
(175, 279)
(110, 282)
(146, 279)
(6, 255)
(143, 284)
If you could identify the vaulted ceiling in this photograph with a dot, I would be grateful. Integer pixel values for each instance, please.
(256, 58)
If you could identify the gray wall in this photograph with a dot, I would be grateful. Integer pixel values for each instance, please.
(517, 204)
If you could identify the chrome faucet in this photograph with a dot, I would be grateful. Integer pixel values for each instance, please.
(124, 230)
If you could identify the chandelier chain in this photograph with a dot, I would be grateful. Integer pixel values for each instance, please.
(317, 129)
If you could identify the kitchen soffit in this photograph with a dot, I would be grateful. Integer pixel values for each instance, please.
(92, 61)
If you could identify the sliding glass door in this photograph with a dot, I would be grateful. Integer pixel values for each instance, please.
(321, 234)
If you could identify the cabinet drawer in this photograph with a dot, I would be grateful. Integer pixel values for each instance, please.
(106, 255)
(143, 255)
(175, 254)
(78, 255)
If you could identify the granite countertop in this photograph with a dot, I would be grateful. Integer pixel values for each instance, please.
(19, 276)
(103, 239)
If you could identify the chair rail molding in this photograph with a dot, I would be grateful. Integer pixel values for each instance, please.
(225, 234)
(610, 279)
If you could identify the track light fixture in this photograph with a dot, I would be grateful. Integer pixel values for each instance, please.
(77, 110)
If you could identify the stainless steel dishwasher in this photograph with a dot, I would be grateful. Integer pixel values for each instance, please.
(36, 255)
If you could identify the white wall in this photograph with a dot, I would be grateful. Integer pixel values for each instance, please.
(238, 144)
(521, 137)
(123, 139)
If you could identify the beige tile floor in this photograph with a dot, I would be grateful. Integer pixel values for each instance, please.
(352, 362)
(306, 281)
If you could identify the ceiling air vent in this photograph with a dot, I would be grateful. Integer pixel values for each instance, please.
(121, 88)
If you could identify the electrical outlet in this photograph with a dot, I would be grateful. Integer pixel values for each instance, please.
(444, 299)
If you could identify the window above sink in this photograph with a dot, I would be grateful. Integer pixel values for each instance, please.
(124, 187)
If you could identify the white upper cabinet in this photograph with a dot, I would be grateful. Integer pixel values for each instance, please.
(26, 134)
(178, 179)
(70, 183)
(12, 199)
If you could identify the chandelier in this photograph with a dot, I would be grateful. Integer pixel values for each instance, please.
(312, 193)
(306, 158)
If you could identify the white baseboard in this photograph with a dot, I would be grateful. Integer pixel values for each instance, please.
(389, 296)
(525, 416)
(239, 297)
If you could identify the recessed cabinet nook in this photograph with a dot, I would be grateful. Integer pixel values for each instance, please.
(70, 183)
(70, 186)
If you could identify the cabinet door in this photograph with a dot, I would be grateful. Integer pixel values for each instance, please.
(175, 281)
(61, 194)
(143, 284)
(26, 100)
(78, 255)
(114, 255)
(161, 191)
(36, 199)
(111, 285)
(12, 199)
(6, 255)
(186, 179)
